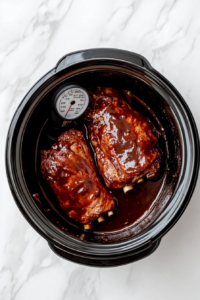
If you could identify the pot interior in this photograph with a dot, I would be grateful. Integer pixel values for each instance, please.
(152, 100)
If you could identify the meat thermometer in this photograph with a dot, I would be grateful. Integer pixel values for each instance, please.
(69, 103)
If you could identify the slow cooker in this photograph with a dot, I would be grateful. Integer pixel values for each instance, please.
(124, 70)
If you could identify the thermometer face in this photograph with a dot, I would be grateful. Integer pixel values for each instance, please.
(71, 102)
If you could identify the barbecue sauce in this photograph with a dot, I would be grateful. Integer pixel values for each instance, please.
(124, 139)
(133, 207)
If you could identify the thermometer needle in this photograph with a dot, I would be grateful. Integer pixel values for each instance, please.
(68, 110)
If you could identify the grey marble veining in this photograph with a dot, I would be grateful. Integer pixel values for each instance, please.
(34, 35)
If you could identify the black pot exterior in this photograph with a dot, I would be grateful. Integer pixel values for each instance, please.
(68, 245)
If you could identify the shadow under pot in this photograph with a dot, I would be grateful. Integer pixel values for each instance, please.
(142, 216)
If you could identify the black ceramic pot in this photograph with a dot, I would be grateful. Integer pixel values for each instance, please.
(127, 70)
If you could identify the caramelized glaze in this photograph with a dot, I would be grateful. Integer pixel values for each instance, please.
(125, 141)
(69, 169)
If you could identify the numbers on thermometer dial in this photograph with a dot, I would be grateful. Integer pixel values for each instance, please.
(72, 103)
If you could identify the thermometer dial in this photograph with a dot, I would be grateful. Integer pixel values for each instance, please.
(70, 101)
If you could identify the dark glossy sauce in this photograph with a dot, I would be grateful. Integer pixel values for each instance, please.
(70, 171)
(129, 146)
(132, 207)
(129, 134)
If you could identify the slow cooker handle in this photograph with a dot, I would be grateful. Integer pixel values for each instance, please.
(106, 262)
(102, 54)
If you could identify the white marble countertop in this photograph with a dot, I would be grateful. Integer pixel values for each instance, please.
(34, 35)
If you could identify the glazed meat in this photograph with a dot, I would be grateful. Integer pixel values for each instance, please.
(125, 141)
(69, 169)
